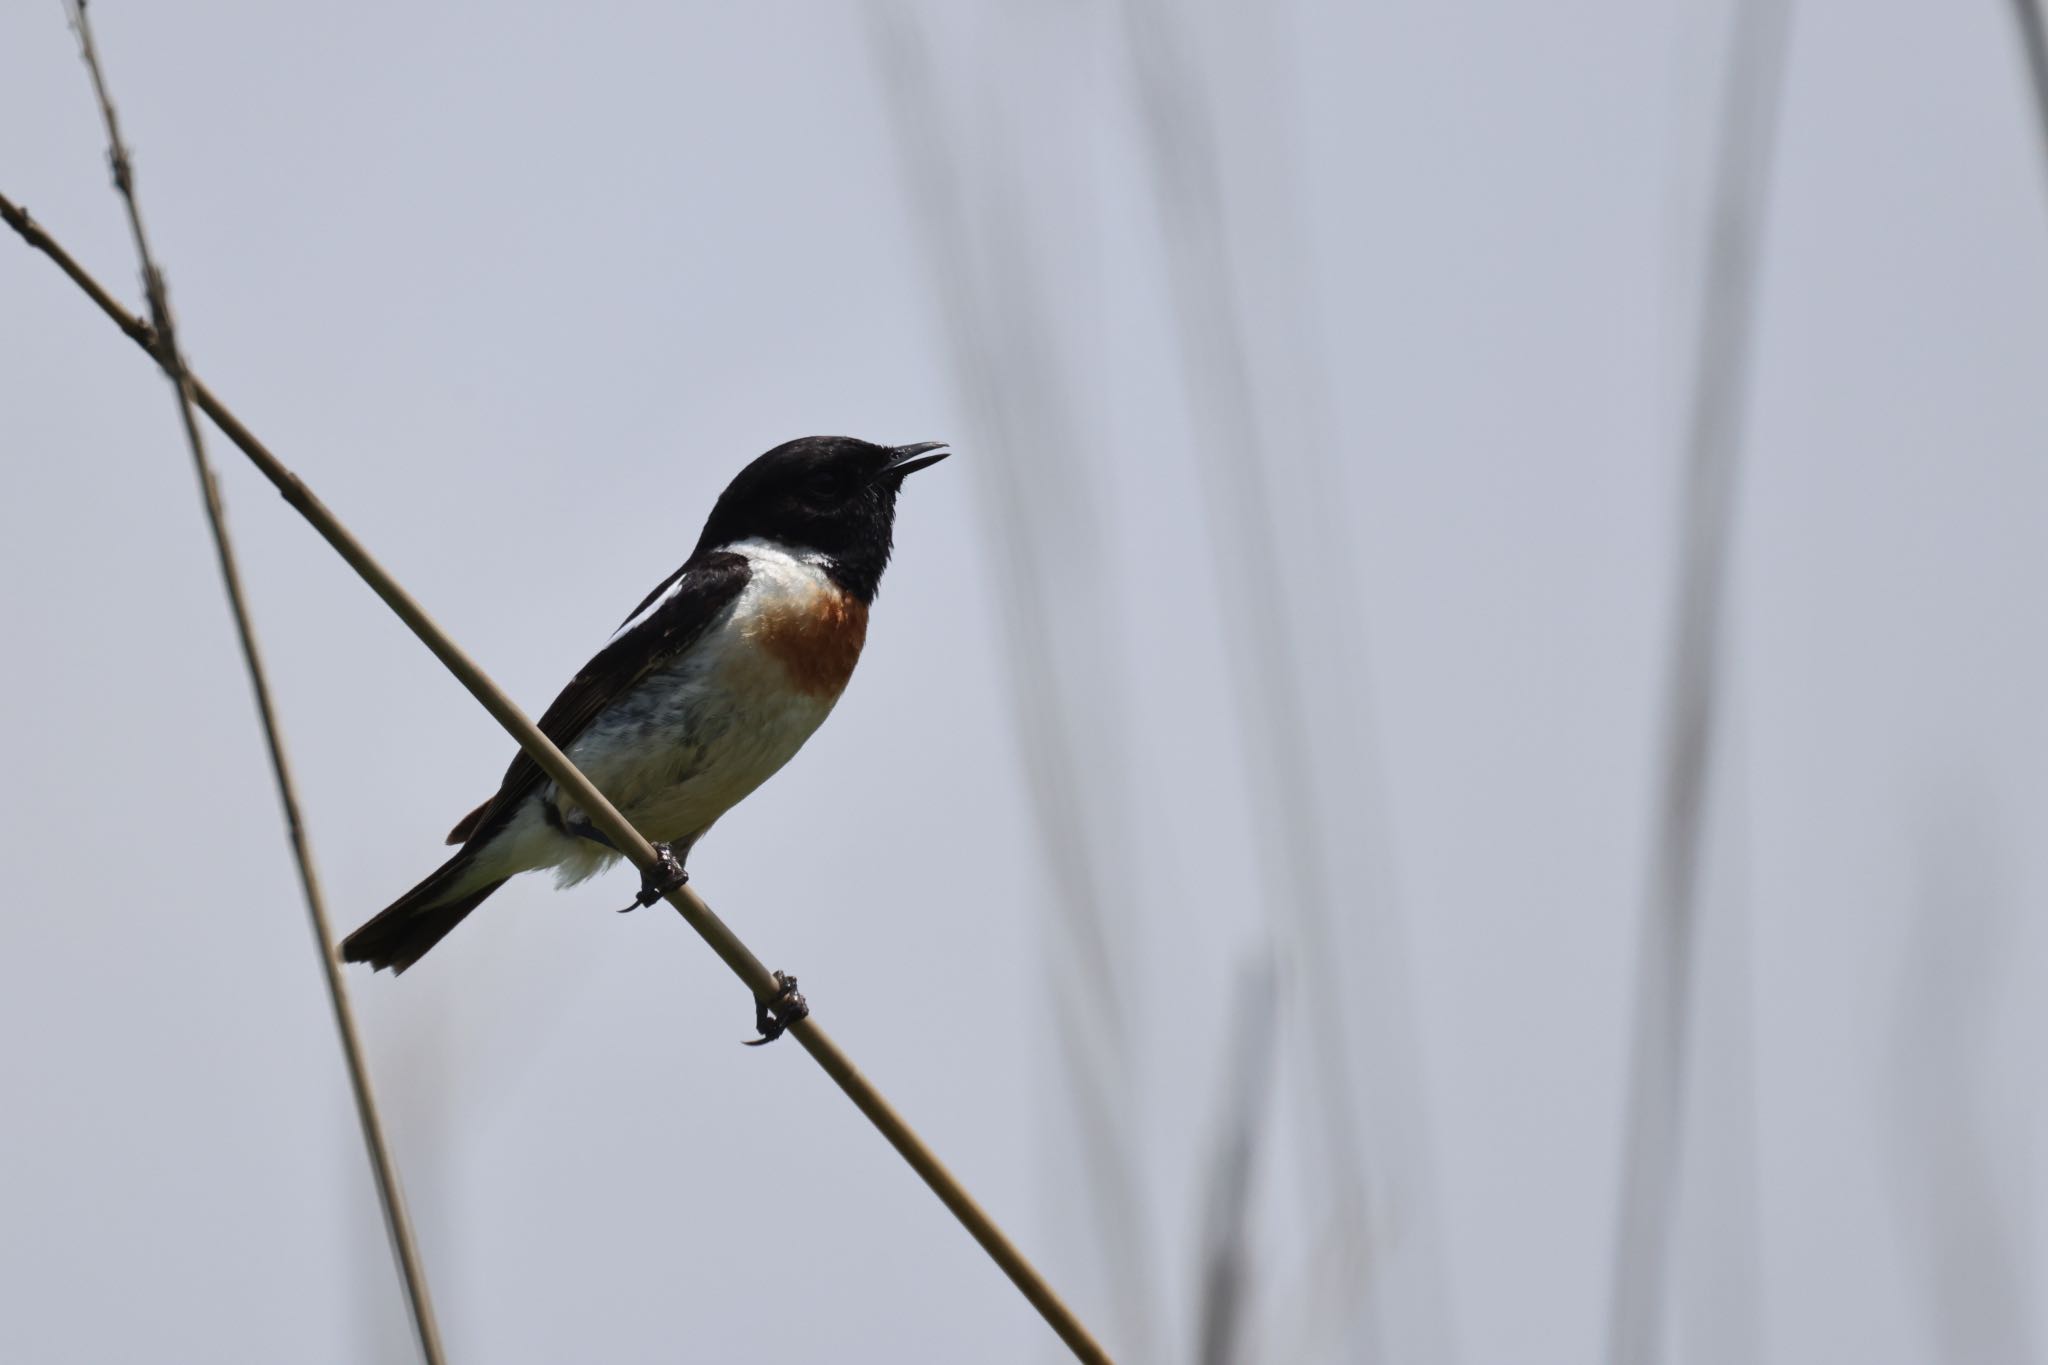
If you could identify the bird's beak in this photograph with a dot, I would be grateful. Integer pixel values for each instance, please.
(909, 459)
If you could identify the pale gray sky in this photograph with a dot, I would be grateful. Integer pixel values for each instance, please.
(518, 287)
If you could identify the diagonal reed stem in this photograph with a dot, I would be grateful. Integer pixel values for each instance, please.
(629, 841)
(397, 1223)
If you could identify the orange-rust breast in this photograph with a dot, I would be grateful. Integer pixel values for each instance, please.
(818, 643)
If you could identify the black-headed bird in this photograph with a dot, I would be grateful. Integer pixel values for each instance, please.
(711, 685)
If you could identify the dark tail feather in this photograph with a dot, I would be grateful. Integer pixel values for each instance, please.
(401, 934)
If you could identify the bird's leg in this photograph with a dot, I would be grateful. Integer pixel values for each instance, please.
(583, 829)
(773, 1014)
(665, 876)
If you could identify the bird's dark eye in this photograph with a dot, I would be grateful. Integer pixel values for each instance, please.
(826, 483)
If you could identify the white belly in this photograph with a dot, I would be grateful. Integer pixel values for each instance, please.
(701, 741)
(695, 737)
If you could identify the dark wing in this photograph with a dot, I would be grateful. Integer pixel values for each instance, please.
(702, 589)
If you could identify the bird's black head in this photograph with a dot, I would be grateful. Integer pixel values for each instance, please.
(832, 496)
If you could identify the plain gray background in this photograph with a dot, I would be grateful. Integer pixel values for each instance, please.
(518, 287)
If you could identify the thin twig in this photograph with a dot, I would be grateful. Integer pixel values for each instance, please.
(404, 1245)
(1665, 971)
(615, 827)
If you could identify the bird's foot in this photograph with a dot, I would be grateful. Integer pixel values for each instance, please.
(665, 876)
(773, 1014)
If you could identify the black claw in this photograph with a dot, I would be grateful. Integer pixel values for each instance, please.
(774, 1014)
(665, 876)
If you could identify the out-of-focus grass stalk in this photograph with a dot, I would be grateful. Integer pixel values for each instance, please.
(2033, 33)
(1286, 736)
(1038, 498)
(383, 1166)
(1665, 969)
(1224, 1284)
(1948, 1143)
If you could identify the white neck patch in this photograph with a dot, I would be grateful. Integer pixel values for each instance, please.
(759, 550)
(769, 558)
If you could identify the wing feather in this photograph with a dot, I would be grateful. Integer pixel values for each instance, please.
(701, 589)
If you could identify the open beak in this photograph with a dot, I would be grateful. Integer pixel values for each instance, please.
(910, 459)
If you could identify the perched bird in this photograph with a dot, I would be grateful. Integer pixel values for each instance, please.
(712, 684)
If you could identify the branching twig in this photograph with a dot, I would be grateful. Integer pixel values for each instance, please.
(397, 1223)
(615, 827)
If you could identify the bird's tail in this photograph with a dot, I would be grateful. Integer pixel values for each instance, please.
(401, 934)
